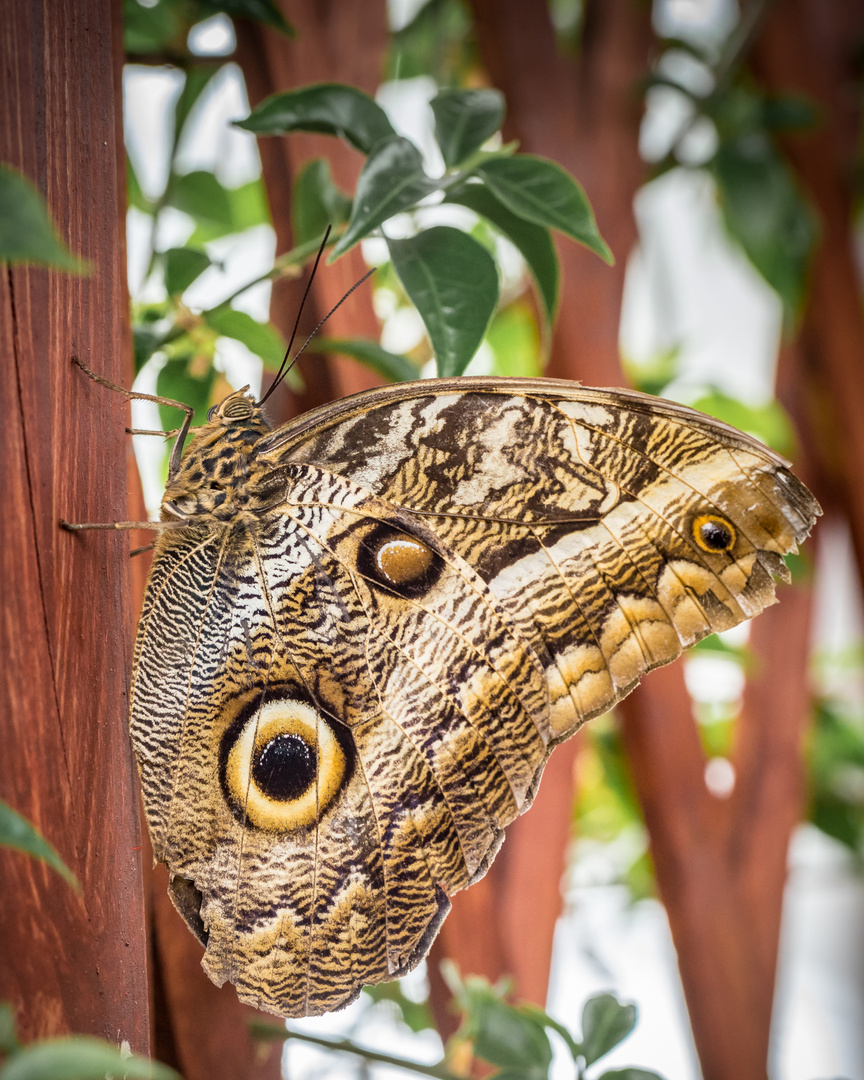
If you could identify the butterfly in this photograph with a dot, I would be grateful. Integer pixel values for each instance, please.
(365, 631)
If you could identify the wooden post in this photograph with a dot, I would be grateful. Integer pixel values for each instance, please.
(70, 963)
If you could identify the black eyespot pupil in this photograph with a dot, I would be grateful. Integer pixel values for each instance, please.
(715, 536)
(285, 768)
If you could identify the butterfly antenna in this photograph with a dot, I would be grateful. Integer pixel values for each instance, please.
(283, 369)
(335, 308)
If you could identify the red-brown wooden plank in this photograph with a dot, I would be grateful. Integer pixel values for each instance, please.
(69, 963)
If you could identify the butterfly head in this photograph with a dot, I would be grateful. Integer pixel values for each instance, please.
(210, 482)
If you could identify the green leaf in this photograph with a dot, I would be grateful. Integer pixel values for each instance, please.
(769, 422)
(200, 195)
(464, 120)
(415, 1014)
(246, 207)
(436, 42)
(512, 337)
(17, 832)
(654, 373)
(263, 339)
(151, 28)
(393, 366)
(27, 234)
(538, 190)
(178, 380)
(327, 108)
(532, 241)
(316, 202)
(197, 78)
(134, 195)
(79, 1057)
(766, 214)
(182, 267)
(249, 205)
(392, 180)
(630, 1073)
(260, 11)
(605, 1022)
(543, 1018)
(8, 1028)
(453, 283)
(506, 1036)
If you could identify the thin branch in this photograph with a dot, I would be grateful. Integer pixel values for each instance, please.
(261, 1030)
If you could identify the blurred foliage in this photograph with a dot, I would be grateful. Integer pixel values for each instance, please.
(161, 27)
(27, 233)
(764, 211)
(73, 1057)
(16, 832)
(496, 1039)
(437, 42)
(836, 773)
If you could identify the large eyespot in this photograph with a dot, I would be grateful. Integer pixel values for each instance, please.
(399, 562)
(713, 533)
(282, 765)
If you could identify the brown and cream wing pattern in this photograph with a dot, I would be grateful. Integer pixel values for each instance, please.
(585, 511)
(348, 680)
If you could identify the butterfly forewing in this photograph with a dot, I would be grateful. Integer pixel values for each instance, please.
(353, 664)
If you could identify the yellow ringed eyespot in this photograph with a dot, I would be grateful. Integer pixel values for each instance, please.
(713, 533)
(284, 767)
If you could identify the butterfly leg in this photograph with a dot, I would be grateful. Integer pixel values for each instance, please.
(134, 395)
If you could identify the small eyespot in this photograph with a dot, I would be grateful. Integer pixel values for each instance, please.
(284, 766)
(713, 533)
(399, 562)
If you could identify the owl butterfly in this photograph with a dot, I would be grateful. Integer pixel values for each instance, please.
(364, 632)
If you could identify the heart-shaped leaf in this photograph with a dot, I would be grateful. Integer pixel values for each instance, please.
(605, 1022)
(182, 267)
(263, 339)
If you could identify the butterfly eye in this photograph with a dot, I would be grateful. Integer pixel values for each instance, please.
(713, 533)
(401, 563)
(283, 767)
(211, 412)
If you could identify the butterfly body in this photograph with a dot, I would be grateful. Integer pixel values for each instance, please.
(376, 622)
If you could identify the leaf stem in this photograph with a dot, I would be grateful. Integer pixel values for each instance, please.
(263, 1030)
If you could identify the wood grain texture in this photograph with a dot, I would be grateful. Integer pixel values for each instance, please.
(69, 963)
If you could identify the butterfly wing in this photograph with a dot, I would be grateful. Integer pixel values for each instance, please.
(585, 511)
(338, 710)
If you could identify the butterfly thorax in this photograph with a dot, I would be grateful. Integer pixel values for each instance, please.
(217, 479)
